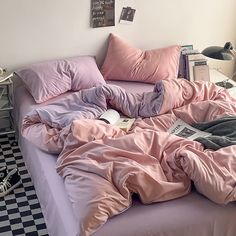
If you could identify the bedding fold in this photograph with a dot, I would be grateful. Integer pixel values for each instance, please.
(103, 166)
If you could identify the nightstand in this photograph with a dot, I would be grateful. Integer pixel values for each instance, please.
(217, 76)
(6, 107)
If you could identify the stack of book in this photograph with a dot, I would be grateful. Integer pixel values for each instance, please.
(193, 65)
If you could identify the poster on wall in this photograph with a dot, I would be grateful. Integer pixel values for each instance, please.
(102, 13)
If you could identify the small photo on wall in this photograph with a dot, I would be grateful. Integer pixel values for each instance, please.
(127, 15)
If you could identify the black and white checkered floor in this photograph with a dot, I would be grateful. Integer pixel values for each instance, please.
(20, 212)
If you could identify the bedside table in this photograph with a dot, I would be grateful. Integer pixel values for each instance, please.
(216, 76)
(6, 107)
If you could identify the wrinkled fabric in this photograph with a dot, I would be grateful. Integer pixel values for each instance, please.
(91, 103)
(103, 166)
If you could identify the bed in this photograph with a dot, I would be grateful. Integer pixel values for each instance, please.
(193, 214)
(93, 178)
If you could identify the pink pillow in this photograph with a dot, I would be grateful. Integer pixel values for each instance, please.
(49, 79)
(124, 62)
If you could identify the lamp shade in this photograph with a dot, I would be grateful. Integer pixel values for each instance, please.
(220, 53)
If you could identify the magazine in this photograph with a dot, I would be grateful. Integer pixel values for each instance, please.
(113, 117)
(182, 129)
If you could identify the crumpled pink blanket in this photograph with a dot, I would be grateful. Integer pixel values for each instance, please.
(102, 166)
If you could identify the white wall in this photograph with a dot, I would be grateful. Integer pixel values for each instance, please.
(36, 30)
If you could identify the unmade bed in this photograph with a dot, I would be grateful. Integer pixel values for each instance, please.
(192, 214)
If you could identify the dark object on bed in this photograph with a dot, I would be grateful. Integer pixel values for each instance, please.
(223, 132)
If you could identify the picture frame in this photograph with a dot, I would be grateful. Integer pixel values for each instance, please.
(102, 13)
(127, 15)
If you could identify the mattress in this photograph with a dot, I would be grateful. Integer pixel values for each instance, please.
(190, 215)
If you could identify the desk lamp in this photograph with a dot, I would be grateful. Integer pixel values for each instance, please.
(221, 53)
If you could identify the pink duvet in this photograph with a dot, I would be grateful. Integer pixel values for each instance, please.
(103, 166)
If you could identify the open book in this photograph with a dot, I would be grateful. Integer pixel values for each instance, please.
(113, 117)
(182, 129)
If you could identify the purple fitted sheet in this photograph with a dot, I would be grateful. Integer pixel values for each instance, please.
(133, 87)
(191, 215)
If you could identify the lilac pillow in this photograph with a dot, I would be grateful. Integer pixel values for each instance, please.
(84, 73)
(49, 79)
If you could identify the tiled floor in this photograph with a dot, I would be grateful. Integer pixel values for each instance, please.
(20, 212)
